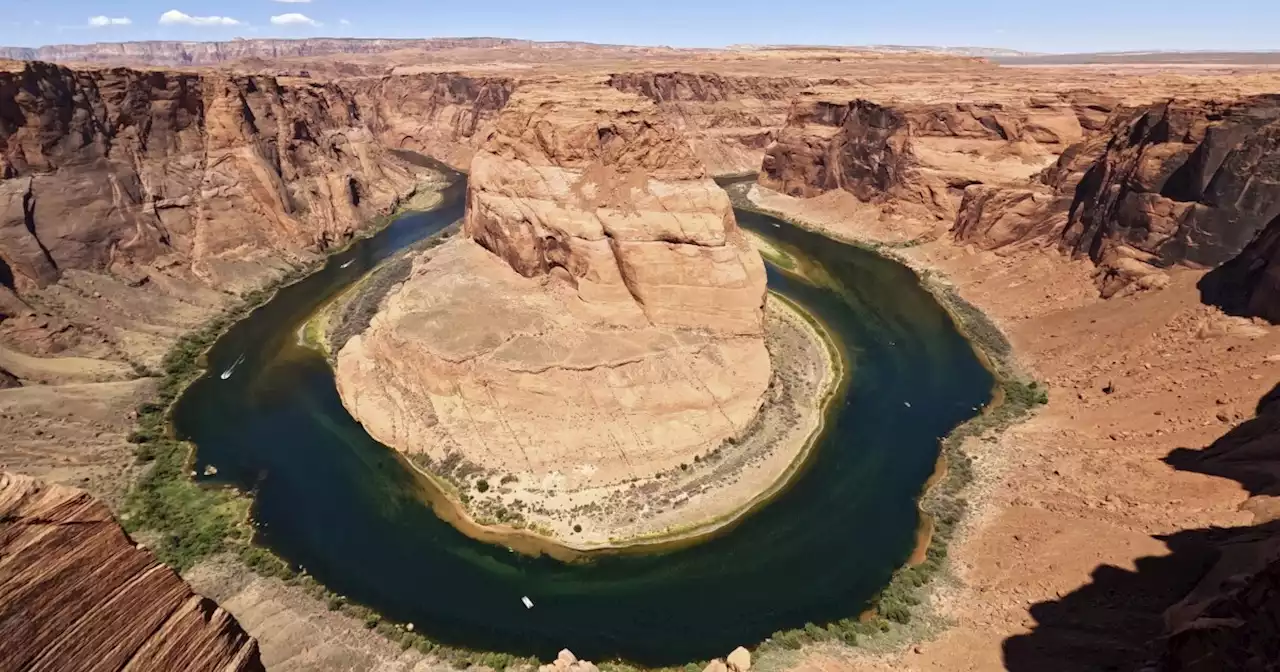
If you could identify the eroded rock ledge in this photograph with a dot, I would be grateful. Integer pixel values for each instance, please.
(76, 593)
(600, 323)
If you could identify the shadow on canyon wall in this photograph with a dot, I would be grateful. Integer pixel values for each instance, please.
(1215, 592)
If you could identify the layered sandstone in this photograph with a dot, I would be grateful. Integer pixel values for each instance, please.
(1178, 183)
(134, 204)
(445, 115)
(729, 120)
(914, 158)
(76, 593)
(601, 320)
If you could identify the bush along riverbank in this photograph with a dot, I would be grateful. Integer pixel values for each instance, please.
(899, 613)
(184, 522)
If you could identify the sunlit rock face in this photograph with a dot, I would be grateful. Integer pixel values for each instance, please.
(600, 320)
(77, 594)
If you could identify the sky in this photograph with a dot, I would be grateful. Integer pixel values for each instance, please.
(1027, 25)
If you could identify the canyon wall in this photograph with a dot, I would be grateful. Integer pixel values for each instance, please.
(729, 120)
(1187, 183)
(76, 594)
(921, 155)
(1249, 284)
(444, 115)
(133, 204)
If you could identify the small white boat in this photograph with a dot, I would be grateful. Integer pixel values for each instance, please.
(907, 404)
(227, 374)
(528, 603)
(348, 263)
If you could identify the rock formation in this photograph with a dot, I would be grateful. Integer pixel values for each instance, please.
(1249, 284)
(919, 155)
(444, 115)
(1178, 183)
(77, 594)
(600, 320)
(167, 192)
(729, 120)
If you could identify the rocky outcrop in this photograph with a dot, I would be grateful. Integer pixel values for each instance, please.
(729, 120)
(1184, 182)
(916, 154)
(738, 661)
(599, 322)
(77, 594)
(994, 216)
(1180, 183)
(444, 115)
(620, 207)
(1249, 284)
(118, 170)
(1237, 630)
(167, 192)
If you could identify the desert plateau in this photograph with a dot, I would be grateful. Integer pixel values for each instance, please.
(416, 354)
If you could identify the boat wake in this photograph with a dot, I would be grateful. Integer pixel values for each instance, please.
(227, 374)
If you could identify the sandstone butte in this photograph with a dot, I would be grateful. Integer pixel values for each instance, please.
(135, 203)
(79, 594)
(599, 322)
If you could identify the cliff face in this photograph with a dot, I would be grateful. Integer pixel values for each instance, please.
(166, 192)
(861, 147)
(729, 120)
(1185, 182)
(76, 593)
(1189, 183)
(445, 115)
(621, 205)
(1249, 284)
(920, 154)
(600, 321)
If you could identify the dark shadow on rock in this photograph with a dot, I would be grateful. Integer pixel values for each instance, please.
(1246, 285)
(1110, 623)
(1210, 604)
(1248, 454)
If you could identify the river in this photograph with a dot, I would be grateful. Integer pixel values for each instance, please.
(349, 510)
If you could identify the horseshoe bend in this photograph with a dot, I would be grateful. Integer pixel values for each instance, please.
(596, 332)
(348, 354)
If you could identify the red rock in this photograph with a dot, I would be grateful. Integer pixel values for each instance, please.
(77, 594)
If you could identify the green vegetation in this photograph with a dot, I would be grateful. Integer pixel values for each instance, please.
(191, 522)
(1015, 398)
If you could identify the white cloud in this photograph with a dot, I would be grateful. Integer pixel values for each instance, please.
(344, 22)
(293, 19)
(173, 16)
(100, 21)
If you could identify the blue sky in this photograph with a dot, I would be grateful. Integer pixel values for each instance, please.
(1031, 25)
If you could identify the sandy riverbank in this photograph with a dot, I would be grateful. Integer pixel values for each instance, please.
(704, 497)
(1071, 501)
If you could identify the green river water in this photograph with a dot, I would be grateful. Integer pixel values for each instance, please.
(331, 499)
